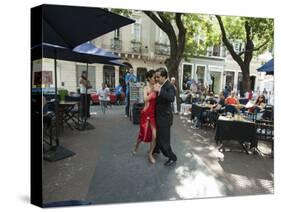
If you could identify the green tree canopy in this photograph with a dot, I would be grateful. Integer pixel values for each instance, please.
(255, 33)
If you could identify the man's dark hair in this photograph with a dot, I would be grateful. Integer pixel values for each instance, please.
(163, 72)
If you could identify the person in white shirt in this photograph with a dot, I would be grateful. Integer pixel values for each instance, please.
(84, 95)
(103, 97)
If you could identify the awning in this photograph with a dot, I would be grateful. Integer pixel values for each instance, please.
(70, 26)
(267, 67)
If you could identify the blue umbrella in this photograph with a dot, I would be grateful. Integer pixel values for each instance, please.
(267, 67)
(70, 26)
(93, 55)
(91, 49)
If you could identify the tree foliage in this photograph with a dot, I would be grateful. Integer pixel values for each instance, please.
(124, 12)
(260, 32)
(255, 33)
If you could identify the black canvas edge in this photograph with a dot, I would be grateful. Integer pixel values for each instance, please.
(36, 116)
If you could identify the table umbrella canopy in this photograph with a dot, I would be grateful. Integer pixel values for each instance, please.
(267, 67)
(89, 48)
(62, 53)
(70, 26)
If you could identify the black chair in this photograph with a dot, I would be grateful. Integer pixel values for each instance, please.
(268, 113)
(49, 122)
(265, 132)
(72, 113)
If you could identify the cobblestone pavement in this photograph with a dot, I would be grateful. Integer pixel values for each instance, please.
(104, 170)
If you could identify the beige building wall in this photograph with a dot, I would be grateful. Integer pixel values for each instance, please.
(67, 75)
(147, 58)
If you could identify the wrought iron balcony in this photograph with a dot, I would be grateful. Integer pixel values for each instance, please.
(116, 44)
(162, 49)
(136, 46)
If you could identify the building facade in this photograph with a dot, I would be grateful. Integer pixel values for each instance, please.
(144, 46)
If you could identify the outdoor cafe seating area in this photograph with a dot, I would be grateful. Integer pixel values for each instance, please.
(233, 122)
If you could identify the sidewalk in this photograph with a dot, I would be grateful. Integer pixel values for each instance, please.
(104, 170)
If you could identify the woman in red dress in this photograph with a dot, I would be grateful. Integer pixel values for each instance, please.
(147, 131)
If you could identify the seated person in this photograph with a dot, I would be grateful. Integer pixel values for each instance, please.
(211, 99)
(259, 104)
(217, 107)
(231, 100)
(187, 97)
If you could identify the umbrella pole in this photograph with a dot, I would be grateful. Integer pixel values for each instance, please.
(57, 152)
(57, 100)
(85, 124)
(86, 96)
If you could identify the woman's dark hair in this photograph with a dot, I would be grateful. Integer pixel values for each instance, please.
(149, 74)
(82, 76)
(163, 72)
(263, 99)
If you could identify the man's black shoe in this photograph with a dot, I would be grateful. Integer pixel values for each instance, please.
(169, 162)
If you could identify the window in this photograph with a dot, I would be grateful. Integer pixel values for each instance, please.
(117, 34)
(237, 46)
(109, 76)
(216, 81)
(161, 37)
(229, 79)
(200, 74)
(216, 50)
(141, 72)
(210, 51)
(91, 74)
(137, 32)
(187, 74)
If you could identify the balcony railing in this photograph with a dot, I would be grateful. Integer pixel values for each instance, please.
(136, 46)
(116, 44)
(162, 49)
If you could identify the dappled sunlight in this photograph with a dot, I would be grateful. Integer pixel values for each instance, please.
(198, 148)
(267, 184)
(189, 155)
(197, 184)
(245, 183)
(213, 153)
(242, 181)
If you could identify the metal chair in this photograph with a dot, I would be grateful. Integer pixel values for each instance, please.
(265, 132)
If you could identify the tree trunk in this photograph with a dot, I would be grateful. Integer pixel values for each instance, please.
(172, 66)
(246, 82)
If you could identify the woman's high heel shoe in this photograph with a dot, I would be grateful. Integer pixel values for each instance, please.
(151, 159)
(134, 150)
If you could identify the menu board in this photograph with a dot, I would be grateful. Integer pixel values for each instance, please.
(136, 92)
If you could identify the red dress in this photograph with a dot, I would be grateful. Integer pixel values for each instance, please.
(147, 118)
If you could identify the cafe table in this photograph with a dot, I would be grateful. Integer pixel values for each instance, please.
(235, 128)
(198, 109)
